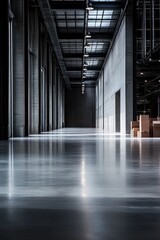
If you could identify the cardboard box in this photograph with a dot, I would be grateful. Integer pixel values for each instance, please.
(134, 132)
(134, 124)
(142, 134)
(144, 123)
(156, 128)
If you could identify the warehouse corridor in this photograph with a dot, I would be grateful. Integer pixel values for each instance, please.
(79, 184)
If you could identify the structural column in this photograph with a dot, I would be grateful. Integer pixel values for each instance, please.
(50, 92)
(4, 70)
(129, 64)
(34, 70)
(19, 69)
(54, 98)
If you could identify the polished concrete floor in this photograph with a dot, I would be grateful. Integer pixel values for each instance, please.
(79, 184)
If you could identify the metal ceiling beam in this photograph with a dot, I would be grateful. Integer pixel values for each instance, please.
(51, 28)
(75, 35)
(85, 79)
(89, 68)
(90, 82)
(91, 55)
(79, 5)
(105, 18)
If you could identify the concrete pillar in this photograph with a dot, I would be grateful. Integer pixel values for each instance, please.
(97, 105)
(59, 100)
(43, 81)
(4, 76)
(19, 68)
(50, 90)
(34, 70)
(129, 65)
(54, 98)
(63, 100)
(103, 96)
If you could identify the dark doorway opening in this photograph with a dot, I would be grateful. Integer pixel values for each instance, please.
(117, 111)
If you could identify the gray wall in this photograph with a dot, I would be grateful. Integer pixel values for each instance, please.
(80, 109)
(117, 75)
(4, 73)
(35, 71)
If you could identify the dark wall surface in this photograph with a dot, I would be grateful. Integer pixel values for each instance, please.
(80, 109)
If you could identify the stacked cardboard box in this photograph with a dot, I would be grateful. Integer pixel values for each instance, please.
(156, 128)
(134, 132)
(144, 126)
(151, 126)
(144, 123)
(142, 134)
(134, 127)
(134, 124)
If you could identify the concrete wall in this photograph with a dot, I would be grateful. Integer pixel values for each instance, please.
(116, 77)
(114, 80)
(80, 109)
(35, 91)
(4, 73)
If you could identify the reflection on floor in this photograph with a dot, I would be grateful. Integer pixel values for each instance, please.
(80, 184)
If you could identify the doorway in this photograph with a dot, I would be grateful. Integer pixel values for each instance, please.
(117, 111)
(42, 94)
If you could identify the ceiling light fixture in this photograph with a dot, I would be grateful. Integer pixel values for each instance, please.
(86, 55)
(89, 7)
(88, 35)
(87, 46)
(85, 64)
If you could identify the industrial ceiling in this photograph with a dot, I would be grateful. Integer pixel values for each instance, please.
(81, 33)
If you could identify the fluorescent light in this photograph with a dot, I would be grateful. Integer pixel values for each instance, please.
(88, 35)
(86, 55)
(86, 46)
(89, 7)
